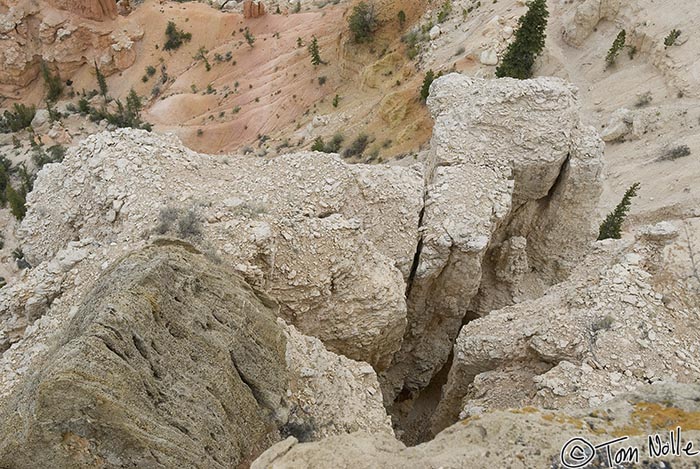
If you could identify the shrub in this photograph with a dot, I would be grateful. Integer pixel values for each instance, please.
(357, 147)
(676, 152)
(671, 38)
(126, 116)
(427, 81)
(150, 70)
(402, 18)
(297, 7)
(322, 80)
(54, 86)
(612, 225)
(19, 118)
(444, 11)
(336, 100)
(318, 144)
(250, 39)
(616, 47)
(202, 55)
(17, 202)
(528, 44)
(176, 37)
(363, 22)
(644, 99)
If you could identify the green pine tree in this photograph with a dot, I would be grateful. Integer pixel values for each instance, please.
(612, 225)
(430, 76)
(101, 82)
(315, 52)
(16, 201)
(54, 86)
(617, 45)
(528, 43)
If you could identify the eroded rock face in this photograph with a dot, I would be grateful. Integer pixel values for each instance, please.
(91, 9)
(612, 327)
(163, 364)
(253, 9)
(59, 35)
(520, 439)
(172, 359)
(512, 180)
(333, 242)
(586, 17)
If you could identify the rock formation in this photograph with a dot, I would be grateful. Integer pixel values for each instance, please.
(520, 439)
(164, 363)
(511, 184)
(97, 10)
(65, 40)
(332, 242)
(253, 9)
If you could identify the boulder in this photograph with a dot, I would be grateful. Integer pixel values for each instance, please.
(169, 360)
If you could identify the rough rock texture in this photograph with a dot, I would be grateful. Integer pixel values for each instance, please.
(586, 17)
(32, 32)
(171, 359)
(91, 9)
(253, 9)
(163, 364)
(330, 394)
(609, 329)
(512, 180)
(519, 439)
(332, 242)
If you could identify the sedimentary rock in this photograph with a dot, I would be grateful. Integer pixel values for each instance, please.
(512, 180)
(172, 359)
(163, 364)
(333, 242)
(253, 9)
(610, 328)
(519, 438)
(98, 10)
(586, 17)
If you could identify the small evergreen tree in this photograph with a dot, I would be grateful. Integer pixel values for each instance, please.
(528, 43)
(430, 76)
(315, 53)
(612, 225)
(363, 22)
(671, 38)
(101, 82)
(402, 18)
(54, 86)
(16, 201)
(250, 39)
(176, 37)
(616, 47)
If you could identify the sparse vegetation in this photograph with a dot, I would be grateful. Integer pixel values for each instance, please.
(402, 18)
(176, 37)
(336, 100)
(445, 11)
(672, 37)
(357, 147)
(249, 38)
(19, 118)
(186, 224)
(363, 22)
(125, 116)
(315, 53)
(322, 80)
(17, 202)
(54, 86)
(427, 81)
(676, 152)
(528, 44)
(202, 55)
(612, 225)
(644, 99)
(617, 45)
(333, 146)
(101, 82)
